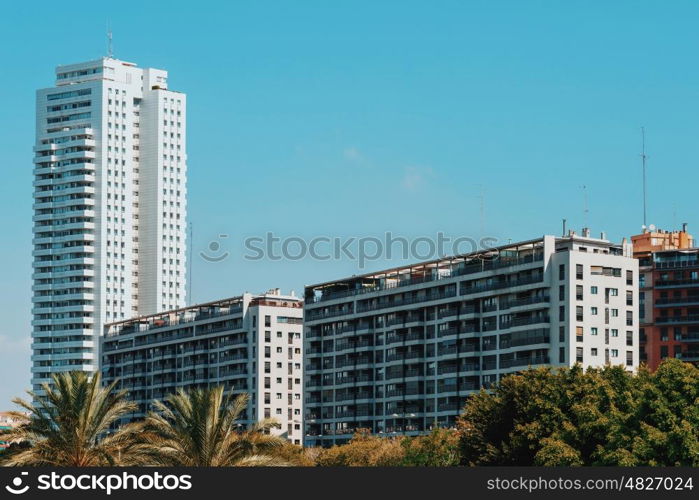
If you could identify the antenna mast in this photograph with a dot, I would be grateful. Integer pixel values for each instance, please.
(586, 208)
(643, 162)
(482, 197)
(191, 259)
(110, 52)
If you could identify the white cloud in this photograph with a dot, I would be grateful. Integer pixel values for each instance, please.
(352, 154)
(414, 178)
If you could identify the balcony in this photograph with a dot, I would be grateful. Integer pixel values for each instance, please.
(538, 299)
(523, 321)
(528, 361)
(395, 337)
(498, 285)
(693, 318)
(677, 283)
(677, 301)
(403, 301)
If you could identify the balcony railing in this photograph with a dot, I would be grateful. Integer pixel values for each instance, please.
(681, 282)
(693, 318)
(534, 360)
(454, 271)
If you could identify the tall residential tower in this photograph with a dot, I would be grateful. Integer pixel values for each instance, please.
(109, 207)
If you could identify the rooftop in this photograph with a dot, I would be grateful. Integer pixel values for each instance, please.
(216, 308)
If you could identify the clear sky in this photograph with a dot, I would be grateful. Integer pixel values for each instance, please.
(352, 118)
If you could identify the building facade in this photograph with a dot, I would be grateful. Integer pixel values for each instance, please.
(398, 351)
(251, 344)
(109, 207)
(668, 296)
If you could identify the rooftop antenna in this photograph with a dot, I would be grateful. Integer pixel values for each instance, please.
(586, 208)
(191, 259)
(482, 210)
(110, 51)
(643, 162)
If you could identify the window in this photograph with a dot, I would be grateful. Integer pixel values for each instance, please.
(629, 318)
(562, 272)
(562, 334)
(562, 292)
(614, 292)
(593, 290)
(663, 334)
(561, 313)
(579, 354)
(593, 351)
(579, 313)
(268, 336)
(629, 277)
(562, 355)
(593, 330)
(615, 313)
(594, 311)
(615, 332)
(629, 358)
(268, 320)
(629, 338)
(579, 271)
(579, 333)
(579, 292)
(615, 353)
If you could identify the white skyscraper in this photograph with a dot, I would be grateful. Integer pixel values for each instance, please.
(109, 207)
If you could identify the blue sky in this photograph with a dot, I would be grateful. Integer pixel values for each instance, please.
(352, 118)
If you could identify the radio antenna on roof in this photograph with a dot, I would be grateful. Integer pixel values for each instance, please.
(110, 51)
(643, 163)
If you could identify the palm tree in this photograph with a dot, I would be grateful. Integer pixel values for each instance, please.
(200, 428)
(69, 425)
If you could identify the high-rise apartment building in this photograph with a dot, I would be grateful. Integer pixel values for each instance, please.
(109, 207)
(668, 295)
(251, 344)
(398, 351)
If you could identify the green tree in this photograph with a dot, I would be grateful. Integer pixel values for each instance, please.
(363, 450)
(439, 448)
(602, 416)
(69, 425)
(200, 428)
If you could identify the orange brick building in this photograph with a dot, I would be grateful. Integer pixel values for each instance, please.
(668, 295)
